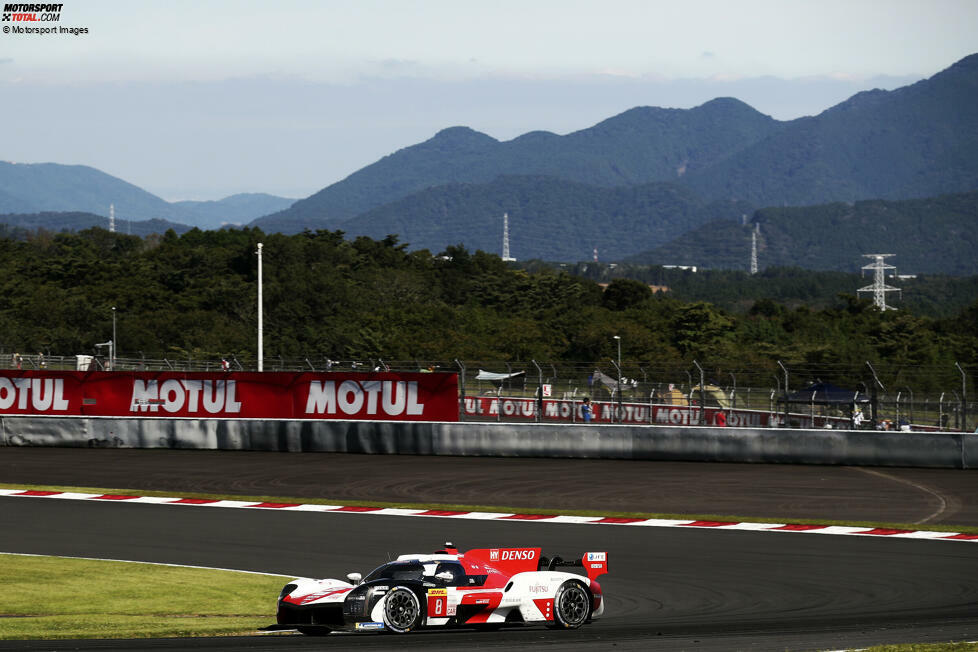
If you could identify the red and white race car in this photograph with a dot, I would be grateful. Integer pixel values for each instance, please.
(486, 587)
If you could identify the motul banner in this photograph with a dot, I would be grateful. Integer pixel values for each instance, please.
(493, 408)
(272, 395)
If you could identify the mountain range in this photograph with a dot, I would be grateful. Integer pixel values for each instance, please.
(642, 145)
(670, 185)
(917, 141)
(52, 187)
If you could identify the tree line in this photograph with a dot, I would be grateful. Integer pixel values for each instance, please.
(326, 295)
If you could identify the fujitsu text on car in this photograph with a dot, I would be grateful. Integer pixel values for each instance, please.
(486, 587)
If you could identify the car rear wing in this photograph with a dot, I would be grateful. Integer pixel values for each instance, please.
(595, 564)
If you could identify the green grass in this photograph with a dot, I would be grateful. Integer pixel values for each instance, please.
(926, 647)
(499, 508)
(57, 598)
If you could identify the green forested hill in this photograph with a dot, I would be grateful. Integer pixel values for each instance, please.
(937, 235)
(548, 218)
(195, 295)
(936, 296)
(21, 223)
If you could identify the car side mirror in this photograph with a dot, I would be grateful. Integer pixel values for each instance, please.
(354, 578)
(445, 576)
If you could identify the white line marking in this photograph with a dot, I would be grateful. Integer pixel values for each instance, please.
(488, 516)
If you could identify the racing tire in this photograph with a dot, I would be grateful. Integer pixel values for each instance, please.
(572, 606)
(402, 610)
(314, 631)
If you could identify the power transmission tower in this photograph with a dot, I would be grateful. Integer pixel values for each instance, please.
(879, 288)
(111, 218)
(506, 257)
(753, 249)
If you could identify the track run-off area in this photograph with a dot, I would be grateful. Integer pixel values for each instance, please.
(716, 584)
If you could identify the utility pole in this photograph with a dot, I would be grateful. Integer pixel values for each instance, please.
(260, 333)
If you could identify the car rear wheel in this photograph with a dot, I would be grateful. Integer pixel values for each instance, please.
(402, 610)
(572, 606)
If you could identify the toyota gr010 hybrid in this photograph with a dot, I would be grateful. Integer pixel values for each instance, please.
(486, 587)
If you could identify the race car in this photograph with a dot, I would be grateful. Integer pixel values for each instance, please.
(485, 587)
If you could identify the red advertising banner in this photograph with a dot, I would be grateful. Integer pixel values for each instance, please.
(269, 395)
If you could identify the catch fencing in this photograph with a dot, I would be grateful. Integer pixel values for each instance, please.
(775, 395)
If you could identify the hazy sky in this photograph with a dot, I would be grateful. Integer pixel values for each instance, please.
(200, 99)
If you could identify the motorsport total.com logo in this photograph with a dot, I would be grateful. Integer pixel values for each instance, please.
(29, 13)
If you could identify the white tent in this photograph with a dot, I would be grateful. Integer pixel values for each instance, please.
(489, 375)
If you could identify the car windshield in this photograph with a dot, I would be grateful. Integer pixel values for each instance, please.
(398, 571)
(446, 572)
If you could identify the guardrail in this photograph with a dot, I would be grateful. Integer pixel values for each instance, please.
(600, 441)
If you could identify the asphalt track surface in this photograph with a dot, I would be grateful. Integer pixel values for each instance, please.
(669, 589)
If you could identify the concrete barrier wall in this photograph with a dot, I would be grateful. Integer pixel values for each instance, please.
(865, 448)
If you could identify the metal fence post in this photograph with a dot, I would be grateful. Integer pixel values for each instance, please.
(811, 410)
(461, 385)
(702, 415)
(785, 370)
(539, 400)
(874, 404)
(617, 413)
(910, 412)
(964, 398)
(957, 411)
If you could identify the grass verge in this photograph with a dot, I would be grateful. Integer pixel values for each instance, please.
(926, 647)
(58, 598)
(498, 508)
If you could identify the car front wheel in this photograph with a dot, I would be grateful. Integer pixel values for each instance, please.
(402, 610)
